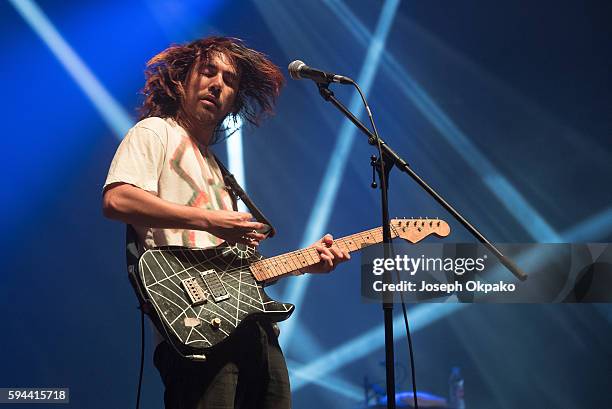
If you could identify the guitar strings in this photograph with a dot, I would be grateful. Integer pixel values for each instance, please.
(296, 253)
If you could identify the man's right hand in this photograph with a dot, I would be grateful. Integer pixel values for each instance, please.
(233, 227)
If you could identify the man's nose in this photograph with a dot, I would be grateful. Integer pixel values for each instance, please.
(215, 85)
(215, 90)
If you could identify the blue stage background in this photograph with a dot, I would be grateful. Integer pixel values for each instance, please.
(503, 107)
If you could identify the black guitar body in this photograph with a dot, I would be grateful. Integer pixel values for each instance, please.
(200, 296)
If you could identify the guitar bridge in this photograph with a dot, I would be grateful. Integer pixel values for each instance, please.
(195, 293)
(215, 285)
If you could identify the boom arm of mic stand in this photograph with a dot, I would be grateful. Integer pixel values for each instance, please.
(404, 167)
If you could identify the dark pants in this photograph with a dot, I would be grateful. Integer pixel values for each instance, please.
(247, 371)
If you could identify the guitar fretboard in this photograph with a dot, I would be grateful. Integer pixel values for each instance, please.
(275, 267)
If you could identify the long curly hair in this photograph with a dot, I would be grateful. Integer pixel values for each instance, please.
(166, 75)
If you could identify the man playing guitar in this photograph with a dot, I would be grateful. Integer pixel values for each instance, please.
(164, 181)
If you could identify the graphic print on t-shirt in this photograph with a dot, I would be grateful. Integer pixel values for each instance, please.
(202, 196)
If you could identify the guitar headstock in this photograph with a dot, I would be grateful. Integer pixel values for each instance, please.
(415, 230)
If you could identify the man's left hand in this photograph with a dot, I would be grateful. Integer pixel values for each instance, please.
(330, 255)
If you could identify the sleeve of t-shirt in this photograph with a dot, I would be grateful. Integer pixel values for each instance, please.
(138, 160)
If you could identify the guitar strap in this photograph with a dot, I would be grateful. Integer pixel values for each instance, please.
(133, 251)
(236, 192)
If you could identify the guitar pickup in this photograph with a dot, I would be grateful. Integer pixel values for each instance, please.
(195, 293)
(214, 285)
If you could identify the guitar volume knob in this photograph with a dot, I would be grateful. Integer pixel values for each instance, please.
(215, 323)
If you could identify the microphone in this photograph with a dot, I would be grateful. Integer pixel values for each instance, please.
(298, 70)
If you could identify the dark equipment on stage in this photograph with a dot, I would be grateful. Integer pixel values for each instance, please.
(375, 396)
(376, 399)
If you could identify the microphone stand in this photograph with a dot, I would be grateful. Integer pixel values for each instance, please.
(383, 166)
(391, 158)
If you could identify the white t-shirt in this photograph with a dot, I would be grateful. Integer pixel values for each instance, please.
(157, 155)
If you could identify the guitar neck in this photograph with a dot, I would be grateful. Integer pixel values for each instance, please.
(285, 264)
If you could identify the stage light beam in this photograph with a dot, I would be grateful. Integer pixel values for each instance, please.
(235, 155)
(112, 113)
(330, 382)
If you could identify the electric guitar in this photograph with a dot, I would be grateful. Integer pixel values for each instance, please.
(200, 296)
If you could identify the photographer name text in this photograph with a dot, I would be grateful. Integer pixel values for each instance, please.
(448, 288)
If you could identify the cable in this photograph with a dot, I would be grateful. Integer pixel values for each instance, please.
(383, 183)
(410, 350)
(142, 353)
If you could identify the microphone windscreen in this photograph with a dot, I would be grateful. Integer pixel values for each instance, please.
(294, 69)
